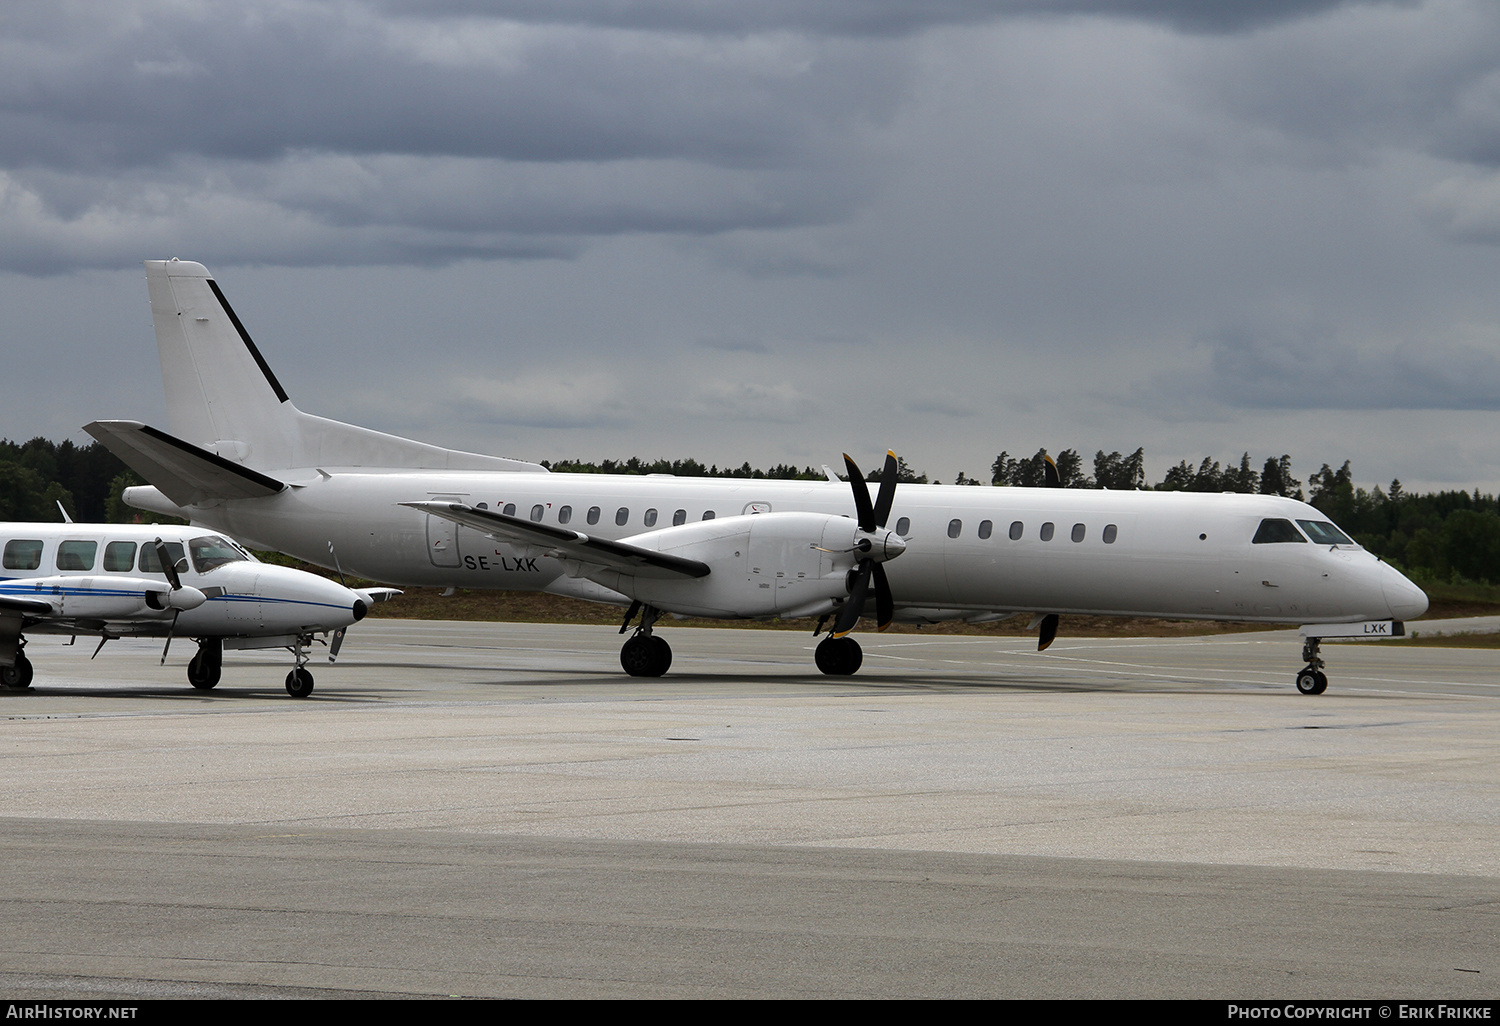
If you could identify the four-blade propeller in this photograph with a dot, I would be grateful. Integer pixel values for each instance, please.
(871, 519)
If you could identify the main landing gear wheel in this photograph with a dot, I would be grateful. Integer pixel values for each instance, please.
(1312, 682)
(17, 677)
(838, 657)
(205, 668)
(646, 655)
(299, 683)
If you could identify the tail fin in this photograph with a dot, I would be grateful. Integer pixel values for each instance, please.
(223, 396)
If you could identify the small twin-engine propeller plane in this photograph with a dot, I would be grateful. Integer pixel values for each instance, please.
(126, 581)
(244, 460)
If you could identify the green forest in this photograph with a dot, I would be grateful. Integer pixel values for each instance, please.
(1450, 537)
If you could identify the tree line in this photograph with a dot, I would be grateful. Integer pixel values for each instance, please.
(1447, 537)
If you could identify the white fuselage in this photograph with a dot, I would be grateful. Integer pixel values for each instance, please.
(1178, 555)
(93, 577)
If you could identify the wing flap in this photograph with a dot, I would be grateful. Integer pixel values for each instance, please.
(566, 544)
(181, 471)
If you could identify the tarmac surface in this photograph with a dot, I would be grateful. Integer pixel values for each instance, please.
(496, 810)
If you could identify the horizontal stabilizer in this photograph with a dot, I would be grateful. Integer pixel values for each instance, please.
(622, 557)
(180, 470)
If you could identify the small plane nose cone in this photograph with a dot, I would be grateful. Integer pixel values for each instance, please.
(1404, 599)
(359, 610)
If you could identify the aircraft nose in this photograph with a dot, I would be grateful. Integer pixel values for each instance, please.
(1404, 599)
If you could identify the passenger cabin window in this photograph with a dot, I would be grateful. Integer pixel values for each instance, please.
(77, 555)
(903, 526)
(622, 515)
(955, 527)
(679, 518)
(482, 505)
(211, 551)
(510, 509)
(1273, 531)
(1047, 531)
(564, 514)
(1016, 530)
(986, 528)
(536, 513)
(650, 518)
(151, 565)
(593, 517)
(119, 557)
(1324, 533)
(709, 514)
(23, 554)
(1111, 532)
(1078, 532)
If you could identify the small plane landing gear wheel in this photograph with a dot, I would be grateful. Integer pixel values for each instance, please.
(1312, 682)
(838, 657)
(205, 668)
(646, 655)
(17, 677)
(299, 683)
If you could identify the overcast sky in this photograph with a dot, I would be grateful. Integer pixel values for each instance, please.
(773, 230)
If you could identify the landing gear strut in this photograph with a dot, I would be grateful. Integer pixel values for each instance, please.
(1311, 680)
(205, 668)
(644, 655)
(838, 657)
(299, 683)
(18, 676)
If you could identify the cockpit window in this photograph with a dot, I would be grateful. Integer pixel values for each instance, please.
(211, 551)
(1273, 530)
(1324, 533)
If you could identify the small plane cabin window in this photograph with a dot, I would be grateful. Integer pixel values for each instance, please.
(650, 518)
(1273, 531)
(510, 509)
(481, 505)
(986, 528)
(903, 526)
(709, 514)
(536, 513)
(679, 518)
(1078, 532)
(622, 515)
(77, 555)
(1016, 529)
(23, 554)
(564, 514)
(955, 527)
(149, 564)
(1047, 531)
(211, 551)
(1324, 533)
(1111, 532)
(593, 517)
(119, 557)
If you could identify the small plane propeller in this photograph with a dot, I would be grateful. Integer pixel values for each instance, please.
(871, 518)
(174, 578)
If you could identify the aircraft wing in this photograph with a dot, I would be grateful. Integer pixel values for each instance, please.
(181, 471)
(565, 544)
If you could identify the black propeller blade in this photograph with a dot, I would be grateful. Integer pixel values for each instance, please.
(175, 580)
(870, 518)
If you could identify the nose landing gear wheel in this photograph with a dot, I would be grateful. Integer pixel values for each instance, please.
(1312, 682)
(299, 683)
(205, 668)
(838, 657)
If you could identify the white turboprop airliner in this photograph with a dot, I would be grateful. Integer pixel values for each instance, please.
(125, 581)
(244, 460)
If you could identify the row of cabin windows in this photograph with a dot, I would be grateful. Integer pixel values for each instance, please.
(119, 556)
(622, 515)
(1017, 530)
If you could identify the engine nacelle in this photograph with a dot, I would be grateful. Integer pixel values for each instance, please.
(761, 565)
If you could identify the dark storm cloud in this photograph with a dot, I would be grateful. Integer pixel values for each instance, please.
(1311, 369)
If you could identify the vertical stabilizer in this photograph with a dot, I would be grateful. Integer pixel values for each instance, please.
(223, 396)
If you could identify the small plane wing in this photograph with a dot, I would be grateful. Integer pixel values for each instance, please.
(575, 545)
(181, 471)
